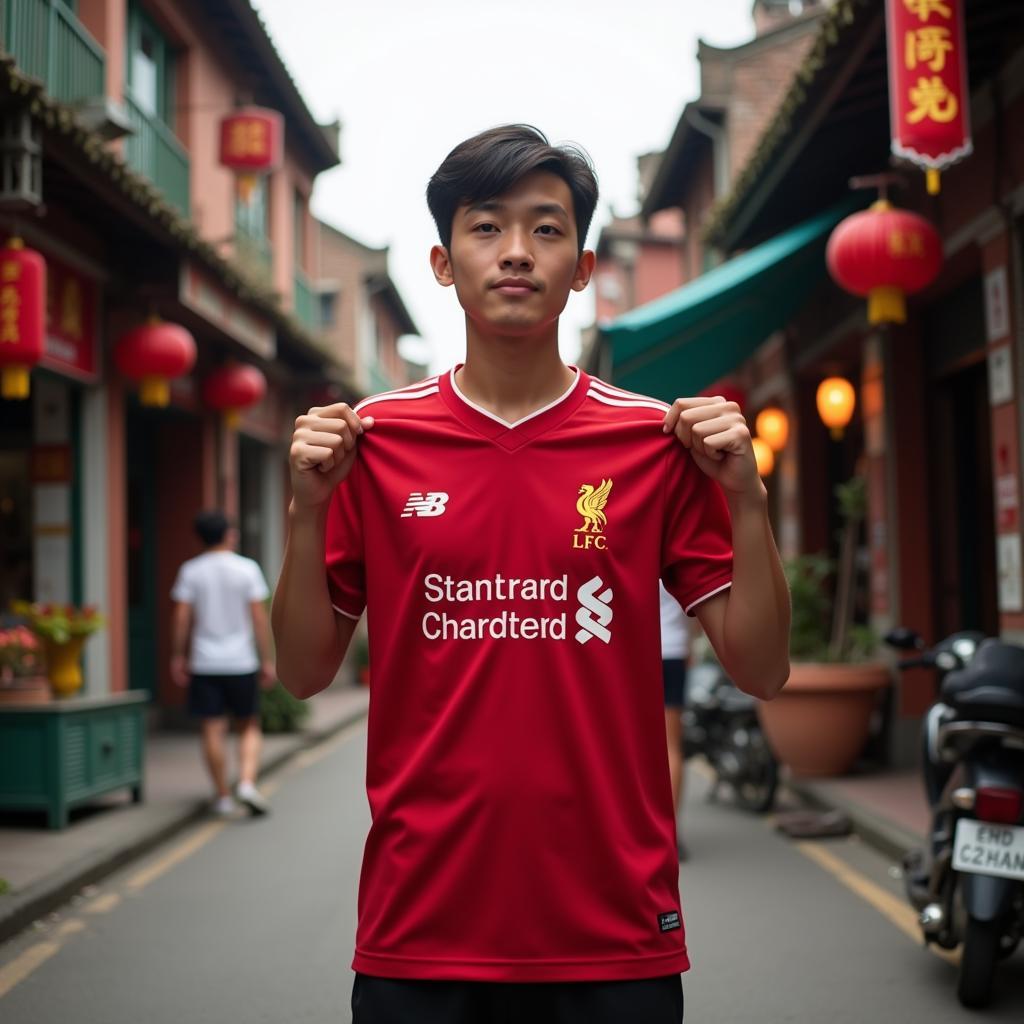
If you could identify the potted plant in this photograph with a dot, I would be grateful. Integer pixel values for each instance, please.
(62, 629)
(21, 678)
(819, 724)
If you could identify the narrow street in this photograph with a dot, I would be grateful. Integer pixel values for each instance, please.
(254, 921)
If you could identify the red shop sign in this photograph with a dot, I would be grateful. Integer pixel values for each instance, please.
(929, 105)
(71, 311)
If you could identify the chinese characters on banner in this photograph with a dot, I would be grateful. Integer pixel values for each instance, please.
(71, 311)
(929, 105)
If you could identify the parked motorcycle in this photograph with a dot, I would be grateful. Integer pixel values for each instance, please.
(720, 724)
(969, 888)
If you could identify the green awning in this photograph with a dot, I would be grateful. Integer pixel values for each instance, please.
(684, 341)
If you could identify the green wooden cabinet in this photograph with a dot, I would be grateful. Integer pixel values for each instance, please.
(58, 755)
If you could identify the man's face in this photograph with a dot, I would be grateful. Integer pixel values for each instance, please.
(514, 259)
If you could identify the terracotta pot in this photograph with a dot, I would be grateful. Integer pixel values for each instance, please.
(63, 665)
(25, 690)
(819, 724)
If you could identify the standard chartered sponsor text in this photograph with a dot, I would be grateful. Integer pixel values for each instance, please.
(508, 623)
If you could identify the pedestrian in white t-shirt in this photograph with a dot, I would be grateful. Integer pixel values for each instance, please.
(675, 649)
(221, 652)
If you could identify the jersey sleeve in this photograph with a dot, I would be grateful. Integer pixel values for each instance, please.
(344, 554)
(183, 589)
(696, 546)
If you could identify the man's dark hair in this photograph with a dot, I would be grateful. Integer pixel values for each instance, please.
(211, 527)
(492, 162)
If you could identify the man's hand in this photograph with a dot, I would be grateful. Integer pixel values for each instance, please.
(716, 435)
(322, 451)
(179, 670)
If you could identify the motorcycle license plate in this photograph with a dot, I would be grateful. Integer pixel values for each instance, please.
(982, 848)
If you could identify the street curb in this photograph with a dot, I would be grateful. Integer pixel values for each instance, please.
(19, 910)
(881, 834)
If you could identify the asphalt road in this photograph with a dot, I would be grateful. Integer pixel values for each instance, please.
(253, 920)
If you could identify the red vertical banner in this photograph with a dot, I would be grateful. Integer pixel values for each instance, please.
(929, 105)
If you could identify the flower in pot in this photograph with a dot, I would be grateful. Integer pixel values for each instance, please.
(21, 679)
(819, 724)
(62, 630)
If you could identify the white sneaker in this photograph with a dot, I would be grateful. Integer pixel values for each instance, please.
(224, 806)
(249, 795)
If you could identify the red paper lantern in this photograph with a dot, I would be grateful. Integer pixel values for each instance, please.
(232, 388)
(154, 353)
(251, 145)
(22, 316)
(884, 253)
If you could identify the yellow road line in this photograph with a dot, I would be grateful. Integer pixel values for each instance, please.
(102, 904)
(173, 857)
(24, 964)
(894, 910)
(70, 927)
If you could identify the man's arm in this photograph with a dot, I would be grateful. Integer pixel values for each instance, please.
(748, 625)
(311, 637)
(181, 625)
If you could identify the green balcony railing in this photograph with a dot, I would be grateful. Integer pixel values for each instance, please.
(305, 303)
(49, 43)
(254, 256)
(153, 150)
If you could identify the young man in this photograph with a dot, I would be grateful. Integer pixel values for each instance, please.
(505, 525)
(220, 621)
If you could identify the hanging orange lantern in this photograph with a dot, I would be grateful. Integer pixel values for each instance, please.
(154, 353)
(763, 456)
(232, 388)
(772, 424)
(22, 316)
(836, 400)
(884, 253)
(251, 145)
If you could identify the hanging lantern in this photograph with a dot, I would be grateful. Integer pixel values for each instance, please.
(836, 399)
(232, 388)
(763, 456)
(22, 316)
(251, 145)
(154, 353)
(772, 424)
(884, 253)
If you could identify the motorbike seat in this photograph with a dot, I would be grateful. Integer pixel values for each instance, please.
(991, 687)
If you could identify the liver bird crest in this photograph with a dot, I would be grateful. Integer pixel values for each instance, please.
(591, 505)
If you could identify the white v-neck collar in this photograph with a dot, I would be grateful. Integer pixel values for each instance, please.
(505, 423)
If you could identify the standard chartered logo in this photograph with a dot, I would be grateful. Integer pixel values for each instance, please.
(594, 612)
(592, 615)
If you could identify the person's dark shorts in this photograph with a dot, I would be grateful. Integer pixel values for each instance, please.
(673, 672)
(392, 1001)
(217, 696)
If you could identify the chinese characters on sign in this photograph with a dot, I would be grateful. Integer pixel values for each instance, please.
(71, 310)
(928, 98)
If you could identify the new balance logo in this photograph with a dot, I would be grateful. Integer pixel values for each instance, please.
(594, 612)
(430, 504)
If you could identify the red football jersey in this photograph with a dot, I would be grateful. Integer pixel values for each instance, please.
(517, 776)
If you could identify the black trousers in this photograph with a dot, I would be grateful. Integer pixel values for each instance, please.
(390, 1001)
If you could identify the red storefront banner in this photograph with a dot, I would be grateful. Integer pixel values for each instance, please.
(71, 314)
(929, 105)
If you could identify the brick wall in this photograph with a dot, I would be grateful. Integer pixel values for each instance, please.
(759, 82)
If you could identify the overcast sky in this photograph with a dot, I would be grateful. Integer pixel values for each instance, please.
(411, 79)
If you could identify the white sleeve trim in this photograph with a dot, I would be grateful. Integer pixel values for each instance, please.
(710, 593)
(348, 615)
